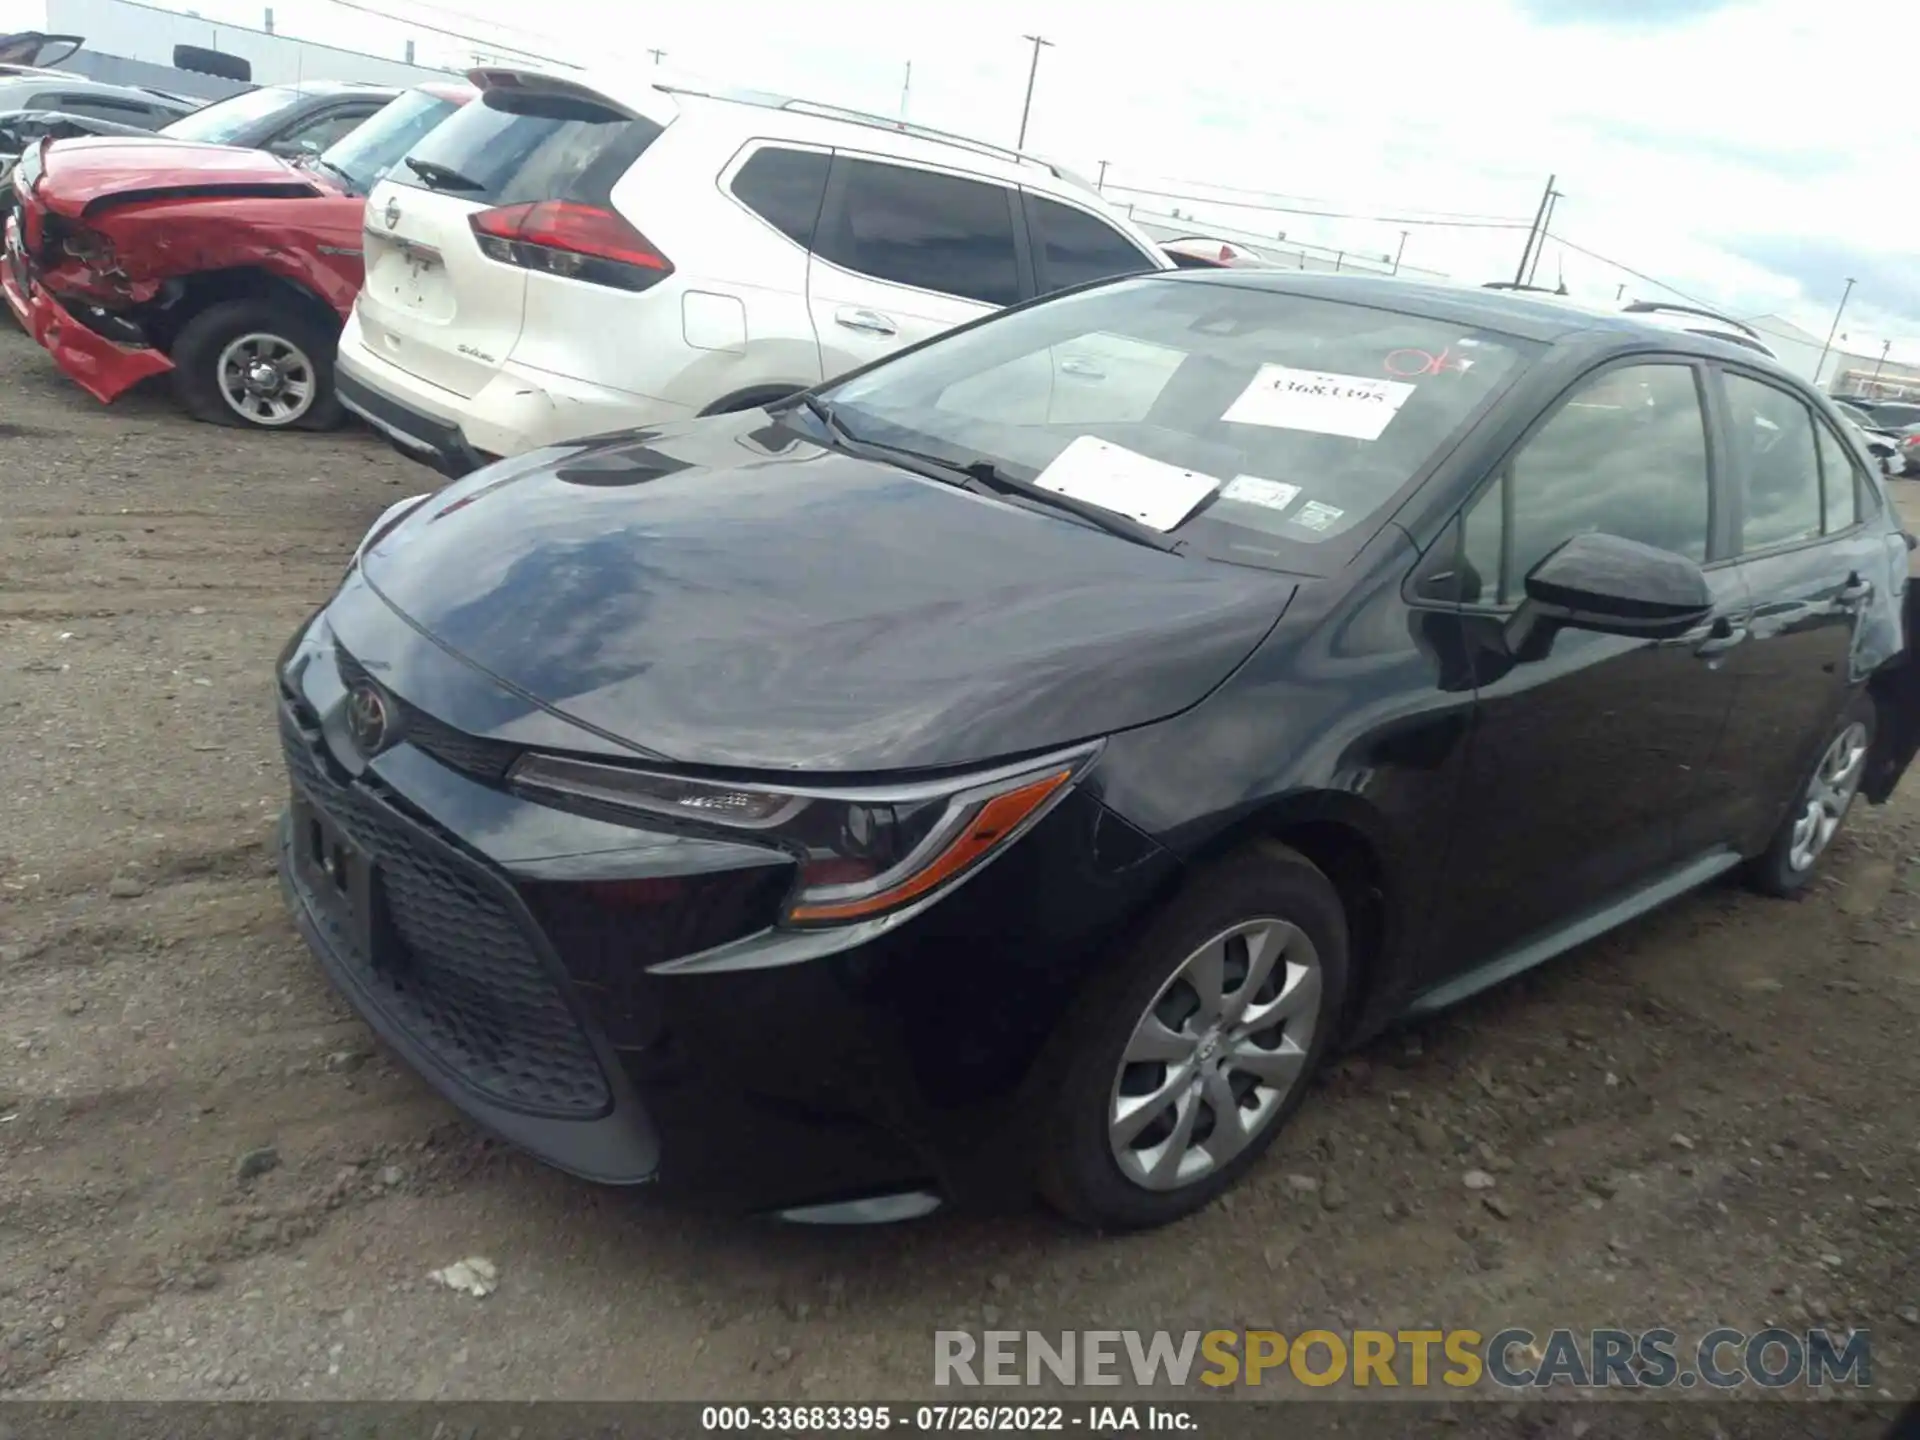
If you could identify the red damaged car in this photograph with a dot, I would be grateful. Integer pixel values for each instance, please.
(233, 269)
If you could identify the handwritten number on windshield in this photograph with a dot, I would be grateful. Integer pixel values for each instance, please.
(1405, 364)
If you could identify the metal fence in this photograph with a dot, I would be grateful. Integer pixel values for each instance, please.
(1294, 254)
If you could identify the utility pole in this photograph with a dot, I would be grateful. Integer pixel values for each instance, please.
(658, 55)
(1039, 43)
(1540, 215)
(1100, 184)
(1546, 224)
(1874, 383)
(1401, 251)
(1620, 290)
(905, 86)
(1839, 310)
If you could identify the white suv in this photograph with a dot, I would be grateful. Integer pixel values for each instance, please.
(569, 257)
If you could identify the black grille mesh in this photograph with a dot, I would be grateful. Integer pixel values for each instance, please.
(466, 984)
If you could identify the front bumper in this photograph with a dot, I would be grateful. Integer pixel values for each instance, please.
(782, 1070)
(104, 369)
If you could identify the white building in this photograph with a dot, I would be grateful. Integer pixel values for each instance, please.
(133, 44)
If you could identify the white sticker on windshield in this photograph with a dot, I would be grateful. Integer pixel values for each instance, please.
(1317, 516)
(1355, 406)
(1150, 491)
(1273, 494)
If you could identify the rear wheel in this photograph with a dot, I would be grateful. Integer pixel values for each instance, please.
(1181, 1070)
(1794, 855)
(259, 364)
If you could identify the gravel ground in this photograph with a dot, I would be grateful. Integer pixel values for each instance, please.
(214, 1185)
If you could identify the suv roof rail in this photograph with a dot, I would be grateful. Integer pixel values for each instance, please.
(1656, 307)
(872, 121)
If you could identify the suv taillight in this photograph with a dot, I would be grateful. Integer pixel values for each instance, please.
(579, 242)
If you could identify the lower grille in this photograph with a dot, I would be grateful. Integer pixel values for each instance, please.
(463, 980)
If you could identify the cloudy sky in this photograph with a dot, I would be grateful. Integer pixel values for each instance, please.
(1748, 153)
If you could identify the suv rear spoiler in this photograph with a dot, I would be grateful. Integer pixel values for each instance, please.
(542, 84)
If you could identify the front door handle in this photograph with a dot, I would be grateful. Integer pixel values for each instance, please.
(869, 322)
(1085, 369)
(1724, 635)
(1855, 592)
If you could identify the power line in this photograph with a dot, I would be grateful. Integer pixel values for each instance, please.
(1629, 270)
(1280, 195)
(1322, 214)
(454, 34)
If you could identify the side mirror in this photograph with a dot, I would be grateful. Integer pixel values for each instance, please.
(292, 149)
(1613, 586)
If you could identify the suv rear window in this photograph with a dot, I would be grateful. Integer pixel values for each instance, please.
(511, 149)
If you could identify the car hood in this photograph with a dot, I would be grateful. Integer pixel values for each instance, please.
(79, 175)
(727, 593)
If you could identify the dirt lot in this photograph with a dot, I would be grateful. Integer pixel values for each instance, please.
(1707, 1119)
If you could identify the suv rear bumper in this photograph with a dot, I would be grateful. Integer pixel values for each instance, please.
(517, 410)
(419, 436)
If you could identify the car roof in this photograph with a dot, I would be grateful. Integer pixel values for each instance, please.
(1527, 317)
(804, 121)
(73, 84)
(338, 87)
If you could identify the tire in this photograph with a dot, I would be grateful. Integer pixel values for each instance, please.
(1081, 1172)
(1792, 858)
(203, 345)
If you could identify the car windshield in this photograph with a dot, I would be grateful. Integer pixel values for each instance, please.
(1237, 415)
(366, 154)
(220, 122)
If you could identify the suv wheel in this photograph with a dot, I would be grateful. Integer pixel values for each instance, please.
(1181, 1071)
(1793, 857)
(258, 364)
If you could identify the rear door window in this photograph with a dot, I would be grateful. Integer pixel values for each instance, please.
(1840, 481)
(921, 228)
(1772, 435)
(1071, 247)
(784, 188)
(508, 149)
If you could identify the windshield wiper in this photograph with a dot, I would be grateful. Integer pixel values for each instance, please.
(353, 185)
(983, 477)
(442, 177)
(989, 478)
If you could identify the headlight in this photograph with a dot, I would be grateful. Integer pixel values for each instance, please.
(861, 853)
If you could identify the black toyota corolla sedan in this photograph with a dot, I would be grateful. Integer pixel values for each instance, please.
(1015, 766)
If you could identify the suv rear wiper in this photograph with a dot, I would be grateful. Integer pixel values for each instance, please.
(983, 477)
(442, 177)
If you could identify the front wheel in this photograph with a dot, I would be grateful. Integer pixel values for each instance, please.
(258, 364)
(1182, 1068)
(1793, 856)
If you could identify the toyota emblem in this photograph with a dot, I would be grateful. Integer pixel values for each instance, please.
(367, 718)
(392, 215)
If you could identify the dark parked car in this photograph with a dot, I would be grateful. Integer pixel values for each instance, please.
(949, 784)
(289, 120)
(38, 107)
(1888, 414)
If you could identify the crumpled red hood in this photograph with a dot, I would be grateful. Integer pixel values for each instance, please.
(80, 172)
